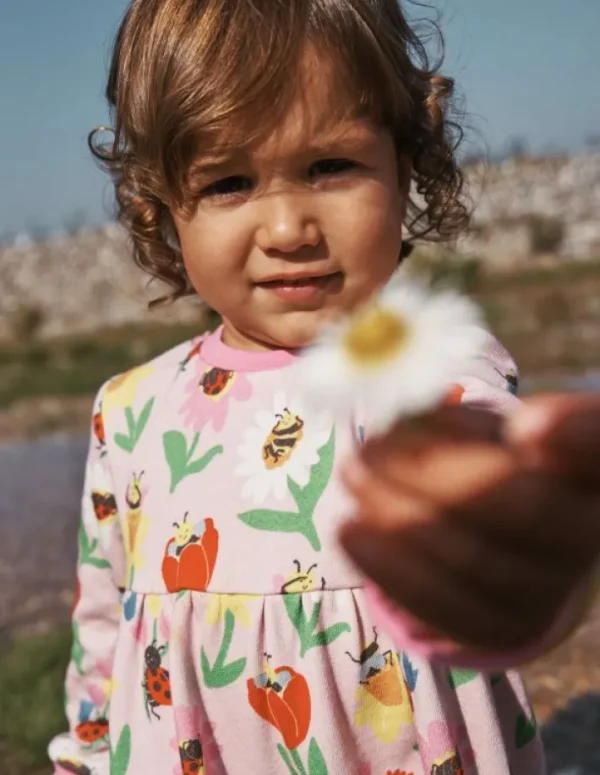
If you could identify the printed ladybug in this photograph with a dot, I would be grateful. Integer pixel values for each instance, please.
(196, 350)
(192, 760)
(215, 381)
(92, 731)
(105, 505)
(157, 684)
(99, 432)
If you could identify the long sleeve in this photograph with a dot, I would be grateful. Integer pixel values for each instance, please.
(96, 614)
(491, 384)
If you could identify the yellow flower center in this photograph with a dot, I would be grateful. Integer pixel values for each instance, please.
(375, 335)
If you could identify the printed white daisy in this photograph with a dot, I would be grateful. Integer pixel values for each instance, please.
(282, 443)
(397, 355)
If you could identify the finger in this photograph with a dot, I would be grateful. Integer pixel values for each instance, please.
(440, 472)
(533, 513)
(562, 433)
(440, 600)
(389, 506)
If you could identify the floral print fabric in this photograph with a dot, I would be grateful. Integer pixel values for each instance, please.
(219, 628)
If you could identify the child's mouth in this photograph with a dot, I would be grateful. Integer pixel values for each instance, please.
(299, 289)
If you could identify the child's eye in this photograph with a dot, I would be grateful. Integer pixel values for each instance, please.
(235, 184)
(332, 167)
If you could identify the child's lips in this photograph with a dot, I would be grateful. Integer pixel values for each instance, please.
(299, 289)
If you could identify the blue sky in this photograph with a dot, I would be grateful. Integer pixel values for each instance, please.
(528, 68)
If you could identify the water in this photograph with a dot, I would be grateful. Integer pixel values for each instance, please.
(40, 491)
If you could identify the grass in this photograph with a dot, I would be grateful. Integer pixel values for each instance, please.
(32, 672)
(77, 366)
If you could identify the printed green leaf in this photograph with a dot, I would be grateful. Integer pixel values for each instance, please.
(325, 637)
(77, 650)
(98, 563)
(319, 476)
(179, 458)
(119, 757)
(222, 674)
(199, 465)
(459, 677)
(316, 760)
(526, 730)
(294, 606)
(135, 428)
(282, 522)
(143, 420)
(130, 420)
(87, 549)
(175, 451)
(125, 442)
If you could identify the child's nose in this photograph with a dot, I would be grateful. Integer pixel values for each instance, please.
(287, 225)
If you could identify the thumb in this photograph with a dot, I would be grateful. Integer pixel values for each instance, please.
(560, 432)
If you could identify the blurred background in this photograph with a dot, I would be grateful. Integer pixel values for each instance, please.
(73, 308)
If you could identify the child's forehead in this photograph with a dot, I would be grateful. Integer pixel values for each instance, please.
(318, 115)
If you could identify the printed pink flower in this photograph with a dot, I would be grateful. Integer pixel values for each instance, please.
(444, 744)
(192, 725)
(208, 392)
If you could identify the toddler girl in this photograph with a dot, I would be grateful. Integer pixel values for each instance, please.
(268, 156)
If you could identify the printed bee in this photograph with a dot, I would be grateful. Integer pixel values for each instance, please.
(301, 581)
(281, 442)
(512, 380)
(73, 765)
(186, 534)
(192, 760)
(276, 680)
(105, 505)
(215, 382)
(380, 673)
(196, 350)
(133, 498)
(157, 683)
(451, 766)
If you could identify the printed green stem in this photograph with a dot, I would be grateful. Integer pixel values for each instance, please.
(193, 447)
(298, 761)
(222, 674)
(286, 759)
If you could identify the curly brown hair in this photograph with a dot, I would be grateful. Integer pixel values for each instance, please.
(196, 76)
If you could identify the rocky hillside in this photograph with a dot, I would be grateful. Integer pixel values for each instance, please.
(525, 211)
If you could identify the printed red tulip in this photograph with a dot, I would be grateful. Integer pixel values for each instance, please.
(190, 557)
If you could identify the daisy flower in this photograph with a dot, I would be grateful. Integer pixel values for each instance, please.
(397, 355)
(283, 442)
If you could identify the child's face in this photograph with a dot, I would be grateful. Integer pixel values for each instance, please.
(301, 227)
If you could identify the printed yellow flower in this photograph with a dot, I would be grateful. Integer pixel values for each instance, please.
(109, 687)
(153, 604)
(398, 355)
(220, 604)
(122, 391)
